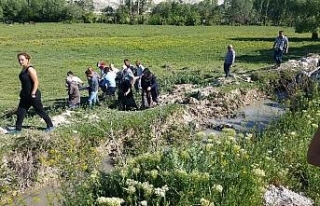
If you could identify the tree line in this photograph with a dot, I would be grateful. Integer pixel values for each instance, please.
(304, 15)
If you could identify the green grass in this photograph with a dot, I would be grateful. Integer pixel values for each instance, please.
(58, 48)
(229, 169)
(72, 149)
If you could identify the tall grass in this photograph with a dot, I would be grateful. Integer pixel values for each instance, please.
(227, 169)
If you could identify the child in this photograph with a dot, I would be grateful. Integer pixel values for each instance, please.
(74, 93)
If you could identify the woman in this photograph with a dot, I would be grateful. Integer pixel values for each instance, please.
(125, 96)
(30, 95)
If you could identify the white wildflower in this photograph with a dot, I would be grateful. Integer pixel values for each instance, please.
(144, 203)
(248, 136)
(159, 192)
(165, 188)
(218, 188)
(94, 175)
(243, 151)
(131, 189)
(147, 188)
(110, 201)
(131, 182)
(154, 174)
(231, 138)
(209, 146)
(259, 172)
(136, 170)
(205, 202)
(293, 133)
(314, 125)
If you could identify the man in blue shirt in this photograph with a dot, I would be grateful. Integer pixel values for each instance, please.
(280, 46)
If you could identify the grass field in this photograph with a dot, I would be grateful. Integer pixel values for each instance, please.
(232, 170)
(58, 48)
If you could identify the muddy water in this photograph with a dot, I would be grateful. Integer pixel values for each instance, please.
(255, 116)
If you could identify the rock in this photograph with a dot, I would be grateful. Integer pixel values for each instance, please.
(61, 119)
(280, 196)
(3, 131)
(193, 100)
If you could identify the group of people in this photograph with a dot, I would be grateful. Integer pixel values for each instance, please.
(280, 47)
(110, 80)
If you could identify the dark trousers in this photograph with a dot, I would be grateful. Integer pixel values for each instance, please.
(25, 104)
(278, 55)
(126, 102)
(146, 99)
(226, 68)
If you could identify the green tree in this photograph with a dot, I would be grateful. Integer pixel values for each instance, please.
(13, 9)
(209, 12)
(308, 19)
(1, 13)
(73, 13)
(262, 8)
(238, 11)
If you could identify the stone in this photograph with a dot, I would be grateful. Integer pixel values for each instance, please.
(281, 196)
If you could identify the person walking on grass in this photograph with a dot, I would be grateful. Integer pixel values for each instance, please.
(229, 60)
(30, 94)
(280, 46)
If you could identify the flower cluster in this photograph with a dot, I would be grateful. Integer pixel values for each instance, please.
(110, 201)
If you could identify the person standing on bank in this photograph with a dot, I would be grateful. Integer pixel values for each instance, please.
(30, 95)
(229, 60)
(280, 46)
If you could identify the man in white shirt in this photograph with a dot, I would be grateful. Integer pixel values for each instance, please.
(280, 46)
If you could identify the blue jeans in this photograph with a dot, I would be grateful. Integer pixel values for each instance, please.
(278, 55)
(93, 98)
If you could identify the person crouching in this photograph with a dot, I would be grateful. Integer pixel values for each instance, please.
(150, 90)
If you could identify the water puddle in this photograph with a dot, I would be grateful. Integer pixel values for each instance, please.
(255, 116)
